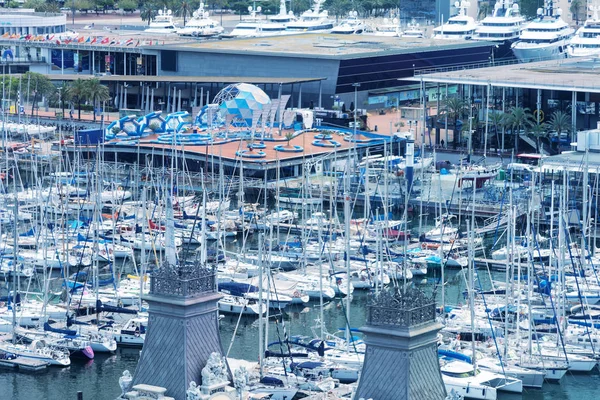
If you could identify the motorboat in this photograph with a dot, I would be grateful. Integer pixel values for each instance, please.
(162, 23)
(352, 25)
(586, 41)
(313, 20)
(458, 27)
(545, 38)
(240, 305)
(254, 26)
(38, 350)
(201, 25)
(471, 383)
(413, 30)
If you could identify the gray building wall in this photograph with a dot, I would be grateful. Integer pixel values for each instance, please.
(268, 66)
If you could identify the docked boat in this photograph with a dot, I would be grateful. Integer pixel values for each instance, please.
(38, 350)
(352, 25)
(162, 23)
(586, 41)
(545, 38)
(313, 20)
(240, 305)
(471, 383)
(458, 27)
(503, 27)
(388, 28)
(413, 30)
(201, 25)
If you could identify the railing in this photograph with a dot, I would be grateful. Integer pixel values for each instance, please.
(182, 280)
(391, 316)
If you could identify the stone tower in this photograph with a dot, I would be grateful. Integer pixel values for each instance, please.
(183, 327)
(401, 360)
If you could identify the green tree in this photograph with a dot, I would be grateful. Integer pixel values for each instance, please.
(97, 92)
(560, 122)
(577, 8)
(497, 121)
(485, 9)
(103, 5)
(42, 5)
(84, 5)
(518, 118)
(128, 5)
(529, 8)
(538, 131)
(147, 12)
(184, 10)
(455, 107)
(79, 94)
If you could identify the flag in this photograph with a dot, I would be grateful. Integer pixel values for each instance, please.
(104, 41)
(7, 34)
(57, 41)
(137, 44)
(81, 40)
(28, 37)
(151, 43)
(88, 40)
(130, 41)
(93, 41)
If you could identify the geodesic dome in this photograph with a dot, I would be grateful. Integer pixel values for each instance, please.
(241, 101)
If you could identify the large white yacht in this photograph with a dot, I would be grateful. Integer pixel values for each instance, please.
(546, 37)
(254, 26)
(586, 41)
(460, 26)
(505, 24)
(351, 25)
(162, 23)
(312, 20)
(201, 25)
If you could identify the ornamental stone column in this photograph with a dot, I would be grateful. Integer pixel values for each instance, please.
(183, 327)
(401, 360)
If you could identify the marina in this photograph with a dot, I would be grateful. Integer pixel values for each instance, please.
(306, 202)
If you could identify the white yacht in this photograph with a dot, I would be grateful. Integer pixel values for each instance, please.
(351, 25)
(201, 25)
(460, 26)
(254, 26)
(546, 37)
(313, 20)
(475, 384)
(586, 41)
(503, 26)
(413, 30)
(162, 23)
(388, 28)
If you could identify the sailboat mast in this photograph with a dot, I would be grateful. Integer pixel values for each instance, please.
(347, 245)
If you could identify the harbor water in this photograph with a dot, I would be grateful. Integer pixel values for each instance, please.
(98, 379)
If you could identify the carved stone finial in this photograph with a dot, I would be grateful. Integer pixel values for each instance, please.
(215, 371)
(453, 395)
(240, 379)
(125, 382)
(193, 392)
(400, 308)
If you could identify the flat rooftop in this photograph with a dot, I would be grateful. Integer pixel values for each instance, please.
(184, 79)
(322, 45)
(579, 74)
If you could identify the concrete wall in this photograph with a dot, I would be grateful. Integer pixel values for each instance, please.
(220, 64)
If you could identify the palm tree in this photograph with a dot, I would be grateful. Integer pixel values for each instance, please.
(497, 120)
(538, 131)
(455, 107)
(185, 9)
(575, 8)
(97, 92)
(147, 12)
(518, 118)
(484, 10)
(289, 136)
(560, 122)
(79, 93)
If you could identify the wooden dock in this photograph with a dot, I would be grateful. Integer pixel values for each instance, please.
(24, 364)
